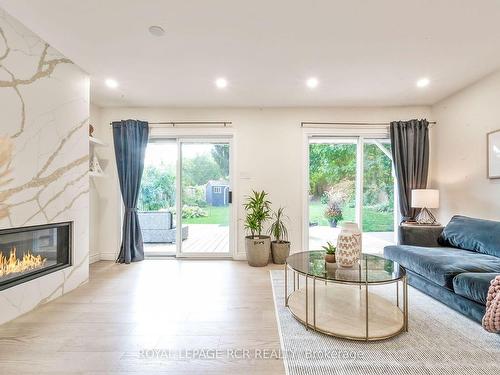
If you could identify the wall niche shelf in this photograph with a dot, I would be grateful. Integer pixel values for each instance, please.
(96, 174)
(96, 141)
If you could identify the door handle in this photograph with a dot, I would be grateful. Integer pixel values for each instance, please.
(230, 197)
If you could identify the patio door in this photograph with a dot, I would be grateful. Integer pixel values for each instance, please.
(204, 219)
(350, 179)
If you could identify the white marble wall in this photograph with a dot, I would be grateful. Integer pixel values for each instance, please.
(44, 111)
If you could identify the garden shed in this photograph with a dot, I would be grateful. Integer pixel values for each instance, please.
(217, 193)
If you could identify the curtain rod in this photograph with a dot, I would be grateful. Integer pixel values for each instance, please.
(353, 123)
(174, 123)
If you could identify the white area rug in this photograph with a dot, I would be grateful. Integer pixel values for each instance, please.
(440, 341)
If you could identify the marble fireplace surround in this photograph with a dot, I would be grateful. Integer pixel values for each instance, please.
(44, 152)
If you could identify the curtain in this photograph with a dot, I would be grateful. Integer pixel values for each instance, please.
(130, 140)
(410, 155)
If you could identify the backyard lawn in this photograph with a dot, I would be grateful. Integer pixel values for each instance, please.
(373, 220)
(216, 215)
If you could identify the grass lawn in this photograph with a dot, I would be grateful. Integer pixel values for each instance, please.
(216, 215)
(373, 221)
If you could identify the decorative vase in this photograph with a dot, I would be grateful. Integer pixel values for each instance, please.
(333, 223)
(349, 245)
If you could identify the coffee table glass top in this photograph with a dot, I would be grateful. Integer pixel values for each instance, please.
(370, 268)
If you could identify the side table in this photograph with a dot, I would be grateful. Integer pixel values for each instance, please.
(419, 235)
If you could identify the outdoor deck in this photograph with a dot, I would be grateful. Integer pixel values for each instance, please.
(202, 238)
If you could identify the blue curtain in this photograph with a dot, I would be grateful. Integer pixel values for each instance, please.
(130, 139)
(410, 155)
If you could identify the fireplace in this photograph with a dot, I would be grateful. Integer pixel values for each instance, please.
(30, 252)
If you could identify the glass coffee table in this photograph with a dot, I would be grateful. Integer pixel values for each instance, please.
(347, 302)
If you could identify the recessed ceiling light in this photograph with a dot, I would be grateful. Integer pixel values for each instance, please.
(156, 30)
(111, 83)
(221, 83)
(423, 82)
(312, 82)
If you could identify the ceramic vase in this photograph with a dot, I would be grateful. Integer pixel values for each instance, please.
(349, 245)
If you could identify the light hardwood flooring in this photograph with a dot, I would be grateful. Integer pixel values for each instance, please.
(113, 324)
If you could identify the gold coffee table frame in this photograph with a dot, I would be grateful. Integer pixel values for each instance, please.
(347, 309)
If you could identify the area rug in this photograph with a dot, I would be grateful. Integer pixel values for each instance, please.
(440, 341)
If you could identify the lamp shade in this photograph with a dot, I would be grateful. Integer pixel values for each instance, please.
(428, 198)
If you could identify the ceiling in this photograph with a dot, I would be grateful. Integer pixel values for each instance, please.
(364, 53)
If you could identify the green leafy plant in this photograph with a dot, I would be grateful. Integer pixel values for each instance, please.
(190, 212)
(330, 248)
(157, 189)
(258, 211)
(194, 196)
(278, 228)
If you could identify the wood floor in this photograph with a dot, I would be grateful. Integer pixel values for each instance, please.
(148, 317)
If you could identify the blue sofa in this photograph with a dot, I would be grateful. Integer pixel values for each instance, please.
(456, 271)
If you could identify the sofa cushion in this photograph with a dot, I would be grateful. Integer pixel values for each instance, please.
(472, 234)
(441, 264)
(473, 286)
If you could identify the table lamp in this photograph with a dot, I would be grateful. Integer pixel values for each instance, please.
(425, 199)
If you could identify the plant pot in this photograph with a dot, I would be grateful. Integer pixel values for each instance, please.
(333, 223)
(330, 258)
(280, 251)
(258, 249)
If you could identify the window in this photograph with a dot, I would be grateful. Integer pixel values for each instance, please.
(350, 179)
(217, 189)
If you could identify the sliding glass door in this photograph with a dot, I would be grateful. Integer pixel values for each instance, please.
(157, 198)
(332, 187)
(350, 179)
(185, 198)
(377, 214)
(205, 202)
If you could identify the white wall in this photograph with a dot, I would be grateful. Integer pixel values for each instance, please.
(268, 146)
(44, 156)
(459, 151)
(95, 118)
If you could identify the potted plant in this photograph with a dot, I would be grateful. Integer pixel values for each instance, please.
(280, 247)
(330, 252)
(258, 247)
(333, 214)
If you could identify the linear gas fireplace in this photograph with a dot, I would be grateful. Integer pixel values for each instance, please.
(30, 252)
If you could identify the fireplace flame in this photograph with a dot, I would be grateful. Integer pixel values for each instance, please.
(13, 264)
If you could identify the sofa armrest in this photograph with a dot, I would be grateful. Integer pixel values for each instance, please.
(419, 235)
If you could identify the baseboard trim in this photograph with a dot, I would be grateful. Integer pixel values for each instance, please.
(240, 256)
(94, 258)
(108, 256)
(112, 256)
